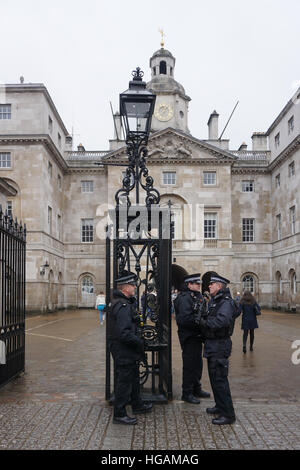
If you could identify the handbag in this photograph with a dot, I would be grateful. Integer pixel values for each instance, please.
(257, 310)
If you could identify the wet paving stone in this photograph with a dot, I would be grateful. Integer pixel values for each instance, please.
(58, 404)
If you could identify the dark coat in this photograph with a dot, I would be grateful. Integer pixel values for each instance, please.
(221, 313)
(249, 321)
(125, 344)
(185, 314)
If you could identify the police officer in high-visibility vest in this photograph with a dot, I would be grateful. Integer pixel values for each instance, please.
(217, 328)
(127, 349)
(187, 305)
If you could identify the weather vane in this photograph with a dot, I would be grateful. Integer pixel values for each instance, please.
(162, 43)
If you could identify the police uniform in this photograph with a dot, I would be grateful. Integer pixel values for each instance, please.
(217, 328)
(127, 348)
(186, 307)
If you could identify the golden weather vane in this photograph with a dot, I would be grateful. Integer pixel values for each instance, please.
(162, 42)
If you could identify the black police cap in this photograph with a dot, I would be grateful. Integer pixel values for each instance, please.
(192, 278)
(126, 277)
(217, 278)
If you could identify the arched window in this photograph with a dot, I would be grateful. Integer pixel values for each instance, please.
(279, 283)
(248, 283)
(163, 67)
(87, 285)
(293, 282)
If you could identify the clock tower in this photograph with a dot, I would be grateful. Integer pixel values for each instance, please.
(171, 108)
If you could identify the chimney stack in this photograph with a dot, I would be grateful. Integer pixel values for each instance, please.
(69, 143)
(213, 126)
(259, 141)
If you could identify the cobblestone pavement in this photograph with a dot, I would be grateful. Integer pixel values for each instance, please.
(59, 402)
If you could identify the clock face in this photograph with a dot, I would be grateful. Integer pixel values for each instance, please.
(163, 112)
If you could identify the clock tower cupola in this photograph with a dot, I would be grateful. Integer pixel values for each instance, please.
(171, 108)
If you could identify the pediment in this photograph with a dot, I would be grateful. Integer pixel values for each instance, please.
(176, 146)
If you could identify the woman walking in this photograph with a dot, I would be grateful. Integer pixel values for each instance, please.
(250, 309)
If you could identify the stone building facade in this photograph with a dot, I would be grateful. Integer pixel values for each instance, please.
(235, 211)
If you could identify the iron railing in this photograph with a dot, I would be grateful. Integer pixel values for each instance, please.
(12, 297)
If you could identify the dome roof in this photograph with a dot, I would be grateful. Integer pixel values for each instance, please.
(166, 84)
(163, 52)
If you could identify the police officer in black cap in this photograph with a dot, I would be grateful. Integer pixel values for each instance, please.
(217, 327)
(187, 305)
(127, 348)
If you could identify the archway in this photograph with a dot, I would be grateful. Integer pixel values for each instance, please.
(87, 290)
(279, 286)
(250, 282)
(293, 281)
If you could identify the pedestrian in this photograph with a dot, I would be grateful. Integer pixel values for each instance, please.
(250, 309)
(187, 304)
(217, 328)
(127, 349)
(173, 297)
(100, 306)
(237, 297)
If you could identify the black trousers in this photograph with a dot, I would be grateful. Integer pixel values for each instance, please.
(245, 336)
(127, 387)
(192, 363)
(218, 376)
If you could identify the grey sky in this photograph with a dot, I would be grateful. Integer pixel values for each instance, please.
(84, 52)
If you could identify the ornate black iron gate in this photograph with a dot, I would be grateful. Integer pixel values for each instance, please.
(12, 298)
(150, 258)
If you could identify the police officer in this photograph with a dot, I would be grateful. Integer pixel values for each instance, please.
(187, 305)
(217, 328)
(127, 348)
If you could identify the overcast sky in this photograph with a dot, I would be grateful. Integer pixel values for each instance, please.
(226, 51)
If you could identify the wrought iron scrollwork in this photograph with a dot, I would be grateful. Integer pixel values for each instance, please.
(136, 172)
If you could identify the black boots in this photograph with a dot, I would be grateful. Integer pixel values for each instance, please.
(142, 408)
(223, 420)
(213, 411)
(124, 420)
(198, 392)
(190, 399)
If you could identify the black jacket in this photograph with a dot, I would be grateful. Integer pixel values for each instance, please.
(125, 344)
(221, 314)
(185, 304)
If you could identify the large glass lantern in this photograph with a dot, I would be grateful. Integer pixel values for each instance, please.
(136, 108)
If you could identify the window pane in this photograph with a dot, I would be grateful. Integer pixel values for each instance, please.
(247, 186)
(209, 177)
(278, 226)
(210, 225)
(248, 230)
(87, 285)
(87, 186)
(5, 111)
(292, 169)
(293, 219)
(5, 160)
(87, 230)
(9, 208)
(248, 283)
(169, 177)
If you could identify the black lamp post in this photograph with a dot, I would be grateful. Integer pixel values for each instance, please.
(136, 109)
(140, 250)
